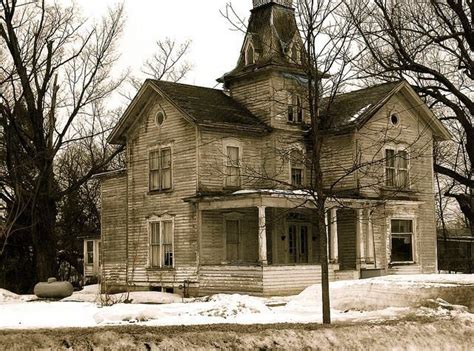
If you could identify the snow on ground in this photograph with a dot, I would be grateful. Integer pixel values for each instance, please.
(376, 299)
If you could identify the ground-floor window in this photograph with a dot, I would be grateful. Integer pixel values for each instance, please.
(402, 240)
(298, 243)
(161, 244)
(90, 252)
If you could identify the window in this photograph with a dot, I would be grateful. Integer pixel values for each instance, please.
(90, 252)
(296, 167)
(295, 109)
(295, 53)
(249, 54)
(160, 118)
(402, 240)
(232, 231)
(396, 168)
(232, 167)
(160, 169)
(161, 244)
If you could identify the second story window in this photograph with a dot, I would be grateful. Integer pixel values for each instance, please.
(396, 168)
(160, 169)
(232, 173)
(296, 168)
(295, 109)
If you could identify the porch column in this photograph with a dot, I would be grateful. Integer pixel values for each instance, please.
(262, 236)
(360, 236)
(334, 254)
(370, 238)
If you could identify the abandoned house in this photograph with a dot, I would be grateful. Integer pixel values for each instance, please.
(213, 200)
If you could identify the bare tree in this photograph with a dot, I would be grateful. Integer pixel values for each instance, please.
(56, 69)
(429, 43)
(167, 63)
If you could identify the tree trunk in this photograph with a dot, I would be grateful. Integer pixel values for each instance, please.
(43, 233)
(321, 227)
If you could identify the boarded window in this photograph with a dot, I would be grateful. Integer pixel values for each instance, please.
(161, 244)
(232, 167)
(396, 169)
(402, 240)
(232, 230)
(160, 169)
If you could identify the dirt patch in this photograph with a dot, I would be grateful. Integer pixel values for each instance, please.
(409, 333)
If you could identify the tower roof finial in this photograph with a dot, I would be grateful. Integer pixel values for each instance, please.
(286, 3)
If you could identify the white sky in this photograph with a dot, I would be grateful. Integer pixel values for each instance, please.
(214, 49)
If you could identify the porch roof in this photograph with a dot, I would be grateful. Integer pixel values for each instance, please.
(277, 198)
(253, 198)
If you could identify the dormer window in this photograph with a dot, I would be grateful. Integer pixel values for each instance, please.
(249, 54)
(295, 54)
(295, 109)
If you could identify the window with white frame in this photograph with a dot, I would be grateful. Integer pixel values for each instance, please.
(295, 109)
(249, 54)
(401, 240)
(232, 168)
(90, 252)
(296, 167)
(232, 232)
(396, 168)
(161, 244)
(160, 169)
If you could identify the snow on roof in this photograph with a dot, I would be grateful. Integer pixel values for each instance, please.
(359, 113)
(284, 192)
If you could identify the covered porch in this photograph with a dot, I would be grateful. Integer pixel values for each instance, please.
(265, 243)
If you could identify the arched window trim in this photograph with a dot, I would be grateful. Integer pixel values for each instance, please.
(249, 46)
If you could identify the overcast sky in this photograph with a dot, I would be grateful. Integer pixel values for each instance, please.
(214, 49)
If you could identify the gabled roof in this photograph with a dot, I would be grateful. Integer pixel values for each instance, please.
(203, 106)
(355, 108)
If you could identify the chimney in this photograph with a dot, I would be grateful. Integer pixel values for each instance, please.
(286, 3)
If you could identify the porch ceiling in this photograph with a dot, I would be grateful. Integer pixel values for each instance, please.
(251, 198)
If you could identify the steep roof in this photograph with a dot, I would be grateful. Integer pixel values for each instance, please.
(272, 29)
(356, 106)
(353, 109)
(204, 106)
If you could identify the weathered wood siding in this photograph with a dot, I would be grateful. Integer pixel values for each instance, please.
(256, 95)
(113, 228)
(347, 238)
(260, 281)
(416, 135)
(145, 135)
(231, 279)
(213, 158)
(213, 235)
(291, 280)
(337, 162)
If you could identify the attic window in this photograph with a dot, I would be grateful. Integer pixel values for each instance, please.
(394, 119)
(249, 54)
(295, 54)
(160, 118)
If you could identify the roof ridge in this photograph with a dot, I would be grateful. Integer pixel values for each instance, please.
(158, 81)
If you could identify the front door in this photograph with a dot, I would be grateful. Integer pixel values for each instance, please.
(298, 243)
